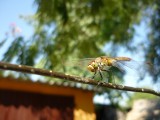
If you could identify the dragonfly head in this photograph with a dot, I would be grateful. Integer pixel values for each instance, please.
(93, 66)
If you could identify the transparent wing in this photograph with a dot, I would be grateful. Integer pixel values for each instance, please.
(120, 66)
(137, 65)
(133, 68)
(78, 67)
(78, 62)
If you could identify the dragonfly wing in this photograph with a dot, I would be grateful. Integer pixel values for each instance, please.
(120, 66)
(78, 62)
(140, 67)
(132, 64)
(135, 68)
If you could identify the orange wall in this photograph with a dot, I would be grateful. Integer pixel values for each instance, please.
(84, 108)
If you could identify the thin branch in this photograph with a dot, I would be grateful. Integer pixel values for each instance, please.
(50, 73)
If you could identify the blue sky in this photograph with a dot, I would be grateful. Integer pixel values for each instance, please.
(10, 11)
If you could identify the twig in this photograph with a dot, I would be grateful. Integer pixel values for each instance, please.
(50, 73)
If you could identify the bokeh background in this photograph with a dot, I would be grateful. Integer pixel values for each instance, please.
(47, 34)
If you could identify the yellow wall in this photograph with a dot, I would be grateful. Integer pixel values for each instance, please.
(84, 108)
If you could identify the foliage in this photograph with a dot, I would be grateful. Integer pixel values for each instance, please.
(69, 29)
(65, 28)
(136, 96)
(153, 50)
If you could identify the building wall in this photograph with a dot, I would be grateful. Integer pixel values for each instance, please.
(145, 109)
(18, 105)
(84, 107)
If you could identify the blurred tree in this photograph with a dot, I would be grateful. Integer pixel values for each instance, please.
(77, 29)
(136, 96)
(153, 49)
(69, 29)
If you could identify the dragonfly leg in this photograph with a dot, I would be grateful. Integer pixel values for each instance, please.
(94, 75)
(111, 77)
(107, 71)
(101, 75)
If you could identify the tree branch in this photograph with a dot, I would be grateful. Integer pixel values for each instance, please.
(50, 73)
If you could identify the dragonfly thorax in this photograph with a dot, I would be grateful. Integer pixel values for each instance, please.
(96, 66)
(92, 66)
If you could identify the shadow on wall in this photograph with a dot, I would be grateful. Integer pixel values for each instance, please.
(106, 112)
(144, 109)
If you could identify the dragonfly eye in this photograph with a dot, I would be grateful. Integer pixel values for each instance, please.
(93, 66)
(90, 68)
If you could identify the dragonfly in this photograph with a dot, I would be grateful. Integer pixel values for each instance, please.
(104, 64)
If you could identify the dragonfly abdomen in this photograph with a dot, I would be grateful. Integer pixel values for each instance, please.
(123, 58)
